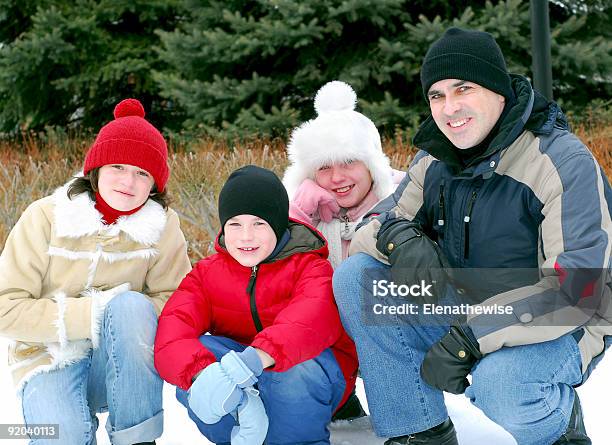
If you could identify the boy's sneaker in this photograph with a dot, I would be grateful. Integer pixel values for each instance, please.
(351, 409)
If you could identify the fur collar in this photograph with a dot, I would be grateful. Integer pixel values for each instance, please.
(78, 217)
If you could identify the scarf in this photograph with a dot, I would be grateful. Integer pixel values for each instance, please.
(110, 214)
(340, 230)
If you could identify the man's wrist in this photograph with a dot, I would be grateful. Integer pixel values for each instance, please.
(469, 339)
(394, 233)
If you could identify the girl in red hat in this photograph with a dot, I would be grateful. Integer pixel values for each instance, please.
(83, 276)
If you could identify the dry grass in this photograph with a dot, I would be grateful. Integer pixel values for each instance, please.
(36, 168)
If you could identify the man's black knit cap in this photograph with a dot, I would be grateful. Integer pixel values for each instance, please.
(253, 190)
(466, 55)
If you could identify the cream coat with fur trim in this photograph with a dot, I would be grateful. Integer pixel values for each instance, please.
(60, 266)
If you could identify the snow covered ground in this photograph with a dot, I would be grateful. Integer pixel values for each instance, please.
(473, 428)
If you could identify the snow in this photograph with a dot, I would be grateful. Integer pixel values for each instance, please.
(473, 428)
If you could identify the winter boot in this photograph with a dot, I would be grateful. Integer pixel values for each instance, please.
(443, 434)
(576, 432)
(351, 409)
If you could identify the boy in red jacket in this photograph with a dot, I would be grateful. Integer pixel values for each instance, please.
(277, 362)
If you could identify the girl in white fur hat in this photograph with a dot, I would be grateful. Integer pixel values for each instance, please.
(337, 169)
(337, 173)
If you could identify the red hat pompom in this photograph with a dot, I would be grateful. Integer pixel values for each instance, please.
(129, 107)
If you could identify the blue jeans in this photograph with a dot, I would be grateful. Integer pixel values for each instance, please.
(528, 390)
(299, 402)
(118, 377)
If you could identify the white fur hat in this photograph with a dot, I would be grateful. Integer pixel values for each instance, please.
(338, 134)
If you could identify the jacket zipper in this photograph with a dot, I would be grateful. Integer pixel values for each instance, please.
(252, 303)
(345, 219)
(441, 205)
(466, 225)
(441, 212)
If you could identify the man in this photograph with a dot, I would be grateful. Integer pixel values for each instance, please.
(499, 183)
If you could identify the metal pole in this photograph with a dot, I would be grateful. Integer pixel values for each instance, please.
(540, 45)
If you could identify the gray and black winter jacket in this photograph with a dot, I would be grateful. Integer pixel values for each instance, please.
(533, 209)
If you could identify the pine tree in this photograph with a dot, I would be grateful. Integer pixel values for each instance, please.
(69, 62)
(243, 67)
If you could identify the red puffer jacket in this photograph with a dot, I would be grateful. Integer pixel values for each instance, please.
(291, 300)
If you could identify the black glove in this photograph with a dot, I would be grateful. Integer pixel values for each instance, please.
(449, 361)
(413, 257)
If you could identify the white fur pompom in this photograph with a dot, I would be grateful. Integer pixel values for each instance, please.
(335, 96)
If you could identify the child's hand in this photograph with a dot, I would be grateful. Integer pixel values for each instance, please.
(217, 390)
(252, 420)
(311, 199)
(214, 394)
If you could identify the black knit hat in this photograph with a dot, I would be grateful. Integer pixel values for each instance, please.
(466, 55)
(253, 190)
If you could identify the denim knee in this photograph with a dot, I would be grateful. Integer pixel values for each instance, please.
(220, 346)
(509, 398)
(351, 268)
(131, 311)
(310, 390)
(352, 279)
(131, 303)
(306, 380)
(130, 321)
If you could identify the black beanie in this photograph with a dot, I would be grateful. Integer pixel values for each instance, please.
(253, 190)
(466, 55)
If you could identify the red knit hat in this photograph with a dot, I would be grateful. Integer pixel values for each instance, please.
(130, 139)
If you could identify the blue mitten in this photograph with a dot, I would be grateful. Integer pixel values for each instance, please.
(242, 367)
(252, 420)
(217, 391)
(213, 394)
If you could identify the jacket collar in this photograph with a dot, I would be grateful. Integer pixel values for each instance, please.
(78, 217)
(369, 201)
